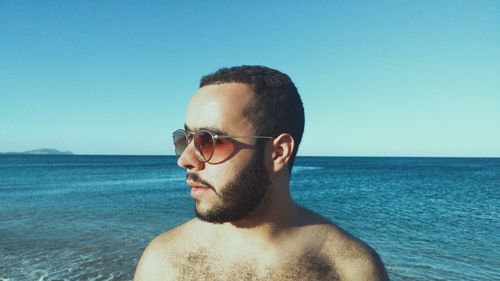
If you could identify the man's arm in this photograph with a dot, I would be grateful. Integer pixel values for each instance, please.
(352, 258)
(154, 264)
(365, 264)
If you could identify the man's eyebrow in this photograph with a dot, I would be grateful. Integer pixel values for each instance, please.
(212, 129)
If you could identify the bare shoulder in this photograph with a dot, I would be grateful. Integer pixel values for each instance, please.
(157, 260)
(352, 258)
(348, 256)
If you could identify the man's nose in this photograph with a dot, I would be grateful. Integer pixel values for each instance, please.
(188, 159)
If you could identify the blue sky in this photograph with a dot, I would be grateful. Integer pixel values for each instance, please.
(378, 78)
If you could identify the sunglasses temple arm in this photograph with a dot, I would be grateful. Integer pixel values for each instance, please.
(243, 137)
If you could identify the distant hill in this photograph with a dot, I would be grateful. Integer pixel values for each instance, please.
(42, 151)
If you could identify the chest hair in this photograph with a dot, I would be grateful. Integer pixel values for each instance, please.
(200, 265)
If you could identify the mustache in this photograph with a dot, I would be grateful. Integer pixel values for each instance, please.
(197, 179)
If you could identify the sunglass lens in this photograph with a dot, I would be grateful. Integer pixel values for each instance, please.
(204, 144)
(180, 142)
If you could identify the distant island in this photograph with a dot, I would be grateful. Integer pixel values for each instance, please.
(42, 151)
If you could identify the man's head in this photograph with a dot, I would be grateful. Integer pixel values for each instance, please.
(276, 106)
(234, 180)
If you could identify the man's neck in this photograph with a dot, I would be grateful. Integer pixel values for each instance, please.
(269, 220)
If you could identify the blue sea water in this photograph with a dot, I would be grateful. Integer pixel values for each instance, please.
(71, 217)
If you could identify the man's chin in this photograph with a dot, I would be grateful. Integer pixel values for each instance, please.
(218, 217)
(209, 219)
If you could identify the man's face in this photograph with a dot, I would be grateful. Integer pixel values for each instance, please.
(231, 186)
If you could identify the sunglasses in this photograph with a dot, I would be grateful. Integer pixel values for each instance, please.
(205, 142)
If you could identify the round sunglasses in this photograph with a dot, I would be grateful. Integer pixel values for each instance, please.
(205, 142)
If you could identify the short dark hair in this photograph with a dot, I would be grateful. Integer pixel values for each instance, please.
(276, 108)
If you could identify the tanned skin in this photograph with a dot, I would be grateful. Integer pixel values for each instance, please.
(278, 240)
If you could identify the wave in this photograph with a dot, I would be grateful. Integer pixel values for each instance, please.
(298, 169)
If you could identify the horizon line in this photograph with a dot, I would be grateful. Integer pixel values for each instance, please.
(298, 156)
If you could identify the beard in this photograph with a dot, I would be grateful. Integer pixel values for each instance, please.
(241, 195)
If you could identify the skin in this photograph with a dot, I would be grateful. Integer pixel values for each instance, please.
(278, 240)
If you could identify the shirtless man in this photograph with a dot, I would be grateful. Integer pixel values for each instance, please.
(242, 131)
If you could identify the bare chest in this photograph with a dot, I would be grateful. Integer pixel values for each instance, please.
(202, 265)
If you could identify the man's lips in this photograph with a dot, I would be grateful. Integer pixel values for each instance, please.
(197, 190)
(193, 184)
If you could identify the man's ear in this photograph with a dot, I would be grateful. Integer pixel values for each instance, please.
(283, 146)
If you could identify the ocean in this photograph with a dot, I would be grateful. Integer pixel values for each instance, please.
(76, 217)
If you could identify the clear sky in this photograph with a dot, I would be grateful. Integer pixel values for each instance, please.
(377, 78)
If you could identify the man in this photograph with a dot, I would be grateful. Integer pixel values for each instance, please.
(242, 131)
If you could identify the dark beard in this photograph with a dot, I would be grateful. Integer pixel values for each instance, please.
(242, 195)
